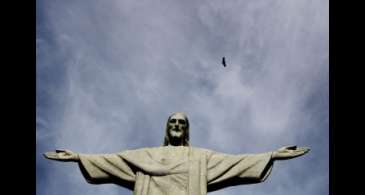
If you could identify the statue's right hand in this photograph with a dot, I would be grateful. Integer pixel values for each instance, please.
(62, 155)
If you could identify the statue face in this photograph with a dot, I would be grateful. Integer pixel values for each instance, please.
(177, 126)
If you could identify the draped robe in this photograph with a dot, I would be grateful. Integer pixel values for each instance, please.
(175, 170)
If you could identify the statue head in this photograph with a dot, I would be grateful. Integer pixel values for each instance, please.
(177, 130)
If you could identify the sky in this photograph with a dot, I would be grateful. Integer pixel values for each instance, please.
(109, 73)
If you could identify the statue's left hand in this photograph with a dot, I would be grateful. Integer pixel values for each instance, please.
(62, 155)
(289, 152)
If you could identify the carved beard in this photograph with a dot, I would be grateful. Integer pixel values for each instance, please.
(176, 136)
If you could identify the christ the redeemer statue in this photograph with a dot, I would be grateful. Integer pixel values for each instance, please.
(176, 168)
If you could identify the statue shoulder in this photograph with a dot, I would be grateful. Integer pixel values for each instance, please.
(202, 150)
(137, 150)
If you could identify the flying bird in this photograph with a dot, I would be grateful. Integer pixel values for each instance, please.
(224, 62)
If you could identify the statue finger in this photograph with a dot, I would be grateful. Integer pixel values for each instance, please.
(307, 149)
(52, 155)
(293, 147)
(301, 151)
(64, 153)
(68, 152)
(286, 148)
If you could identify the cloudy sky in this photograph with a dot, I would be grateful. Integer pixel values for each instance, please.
(109, 73)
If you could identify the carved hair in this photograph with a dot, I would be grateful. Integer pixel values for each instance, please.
(186, 134)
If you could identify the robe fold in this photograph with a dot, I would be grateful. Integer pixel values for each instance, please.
(175, 170)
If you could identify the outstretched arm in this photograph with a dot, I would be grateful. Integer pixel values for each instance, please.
(98, 168)
(289, 152)
(62, 155)
(226, 170)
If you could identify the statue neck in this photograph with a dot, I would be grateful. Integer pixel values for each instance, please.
(176, 142)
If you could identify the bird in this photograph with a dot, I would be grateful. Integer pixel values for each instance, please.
(224, 62)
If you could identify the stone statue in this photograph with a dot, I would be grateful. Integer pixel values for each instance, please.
(176, 168)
